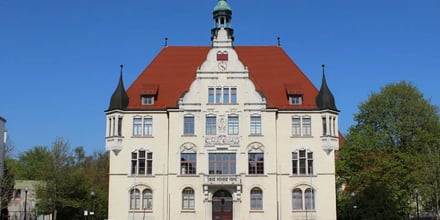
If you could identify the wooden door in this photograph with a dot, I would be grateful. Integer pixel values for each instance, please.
(222, 205)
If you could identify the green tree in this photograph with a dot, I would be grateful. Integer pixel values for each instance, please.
(385, 155)
(33, 164)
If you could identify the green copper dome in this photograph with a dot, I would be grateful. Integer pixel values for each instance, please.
(222, 5)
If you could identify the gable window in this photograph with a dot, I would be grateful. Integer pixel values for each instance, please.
(141, 163)
(255, 125)
(211, 95)
(211, 125)
(147, 199)
(233, 125)
(188, 199)
(302, 163)
(222, 95)
(188, 125)
(256, 163)
(256, 199)
(188, 163)
(303, 199)
(301, 126)
(147, 99)
(295, 99)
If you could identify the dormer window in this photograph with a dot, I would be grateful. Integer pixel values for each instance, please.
(147, 99)
(296, 99)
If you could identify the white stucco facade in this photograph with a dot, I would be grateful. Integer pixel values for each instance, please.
(224, 184)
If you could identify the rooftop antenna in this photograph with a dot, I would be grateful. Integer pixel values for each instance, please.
(166, 41)
(279, 41)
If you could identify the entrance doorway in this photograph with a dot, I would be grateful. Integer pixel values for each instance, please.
(222, 205)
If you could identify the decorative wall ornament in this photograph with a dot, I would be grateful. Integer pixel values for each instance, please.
(188, 147)
(222, 125)
(255, 147)
(222, 140)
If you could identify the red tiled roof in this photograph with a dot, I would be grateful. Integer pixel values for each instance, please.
(270, 68)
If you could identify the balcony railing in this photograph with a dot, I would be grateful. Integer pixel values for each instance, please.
(222, 179)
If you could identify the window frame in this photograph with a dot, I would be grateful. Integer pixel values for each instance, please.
(142, 163)
(256, 199)
(147, 199)
(191, 161)
(188, 199)
(302, 163)
(211, 125)
(256, 165)
(255, 125)
(135, 199)
(233, 125)
(188, 125)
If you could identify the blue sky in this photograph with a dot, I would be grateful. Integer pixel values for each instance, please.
(59, 60)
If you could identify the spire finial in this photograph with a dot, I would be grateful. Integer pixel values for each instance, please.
(279, 41)
(166, 41)
(323, 67)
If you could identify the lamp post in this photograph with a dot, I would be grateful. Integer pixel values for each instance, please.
(25, 201)
(92, 211)
(416, 193)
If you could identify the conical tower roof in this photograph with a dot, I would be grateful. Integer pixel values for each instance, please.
(325, 98)
(119, 99)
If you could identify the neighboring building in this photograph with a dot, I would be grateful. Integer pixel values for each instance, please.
(2, 146)
(23, 200)
(222, 132)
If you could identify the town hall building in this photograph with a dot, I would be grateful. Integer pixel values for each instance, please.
(222, 132)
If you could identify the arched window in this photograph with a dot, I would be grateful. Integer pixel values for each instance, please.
(188, 199)
(147, 199)
(297, 202)
(135, 199)
(309, 199)
(303, 199)
(256, 199)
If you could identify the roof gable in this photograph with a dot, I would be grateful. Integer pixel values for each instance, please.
(270, 68)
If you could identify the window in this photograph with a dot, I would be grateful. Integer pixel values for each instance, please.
(329, 125)
(17, 194)
(137, 126)
(188, 199)
(147, 99)
(188, 125)
(135, 199)
(255, 125)
(233, 125)
(142, 126)
(302, 163)
(141, 163)
(303, 201)
(147, 199)
(256, 163)
(222, 163)
(296, 126)
(295, 99)
(211, 125)
(211, 95)
(188, 163)
(309, 199)
(148, 126)
(256, 199)
(301, 126)
(222, 95)
(297, 201)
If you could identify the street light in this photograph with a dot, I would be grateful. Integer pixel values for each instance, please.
(416, 192)
(92, 212)
(25, 200)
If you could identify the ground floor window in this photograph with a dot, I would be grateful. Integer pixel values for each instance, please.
(256, 199)
(188, 199)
